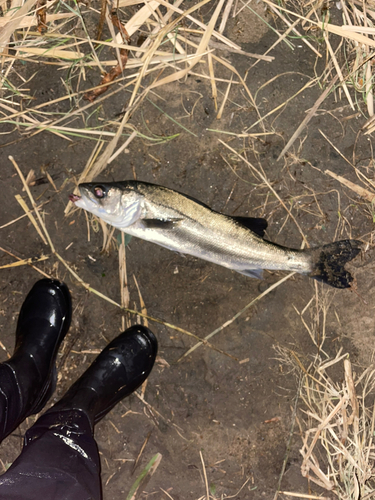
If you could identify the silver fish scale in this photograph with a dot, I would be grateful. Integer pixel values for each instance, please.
(195, 229)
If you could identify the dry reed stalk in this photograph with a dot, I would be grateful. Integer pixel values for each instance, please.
(28, 263)
(369, 91)
(30, 216)
(220, 113)
(225, 16)
(24, 262)
(29, 21)
(215, 34)
(146, 59)
(163, 20)
(222, 46)
(205, 476)
(35, 207)
(212, 78)
(143, 305)
(360, 191)
(280, 39)
(318, 307)
(343, 31)
(124, 288)
(234, 70)
(309, 84)
(304, 495)
(123, 147)
(369, 125)
(14, 18)
(201, 50)
(338, 70)
(13, 221)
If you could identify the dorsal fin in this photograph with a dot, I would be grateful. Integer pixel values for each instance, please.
(255, 224)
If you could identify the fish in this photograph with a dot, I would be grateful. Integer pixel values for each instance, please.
(185, 225)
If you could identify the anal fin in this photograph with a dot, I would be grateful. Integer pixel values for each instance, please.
(251, 273)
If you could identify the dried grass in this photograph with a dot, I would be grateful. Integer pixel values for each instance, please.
(168, 44)
(166, 55)
(350, 62)
(336, 413)
(338, 450)
(176, 41)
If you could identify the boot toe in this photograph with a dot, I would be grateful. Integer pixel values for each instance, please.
(116, 373)
(127, 362)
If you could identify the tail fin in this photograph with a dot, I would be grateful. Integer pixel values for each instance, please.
(329, 262)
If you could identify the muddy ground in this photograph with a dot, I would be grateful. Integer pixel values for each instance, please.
(238, 409)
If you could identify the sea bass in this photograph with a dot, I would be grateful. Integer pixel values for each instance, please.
(185, 225)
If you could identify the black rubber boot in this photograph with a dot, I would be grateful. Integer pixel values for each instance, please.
(28, 378)
(117, 372)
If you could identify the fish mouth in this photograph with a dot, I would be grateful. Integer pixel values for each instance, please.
(74, 197)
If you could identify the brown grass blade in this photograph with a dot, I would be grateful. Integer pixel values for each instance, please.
(362, 192)
(308, 117)
(28, 21)
(30, 264)
(35, 207)
(143, 305)
(31, 217)
(14, 22)
(24, 262)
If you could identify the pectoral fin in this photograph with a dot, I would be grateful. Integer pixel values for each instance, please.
(255, 224)
(252, 273)
(160, 223)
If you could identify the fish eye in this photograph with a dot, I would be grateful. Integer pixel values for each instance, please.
(99, 191)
